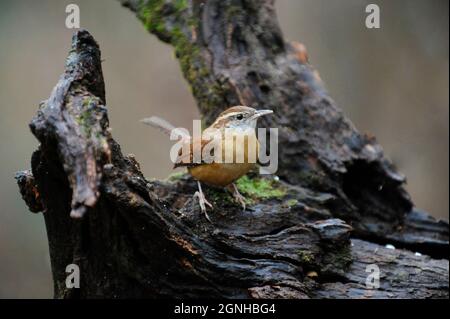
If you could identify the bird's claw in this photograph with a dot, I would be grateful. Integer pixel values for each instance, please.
(238, 196)
(202, 201)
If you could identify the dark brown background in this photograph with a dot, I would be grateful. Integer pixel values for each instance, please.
(391, 82)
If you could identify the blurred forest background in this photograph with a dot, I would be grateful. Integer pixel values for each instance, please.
(392, 82)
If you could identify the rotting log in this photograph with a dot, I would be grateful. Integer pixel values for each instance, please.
(141, 238)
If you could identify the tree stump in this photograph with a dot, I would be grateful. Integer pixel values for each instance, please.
(311, 233)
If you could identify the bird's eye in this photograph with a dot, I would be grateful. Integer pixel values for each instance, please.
(240, 116)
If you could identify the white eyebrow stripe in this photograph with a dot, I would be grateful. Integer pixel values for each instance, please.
(229, 114)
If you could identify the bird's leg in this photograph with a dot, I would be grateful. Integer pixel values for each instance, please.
(237, 196)
(202, 201)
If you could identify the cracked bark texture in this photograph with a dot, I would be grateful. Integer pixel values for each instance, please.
(311, 235)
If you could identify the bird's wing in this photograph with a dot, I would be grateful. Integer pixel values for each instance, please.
(193, 145)
(187, 159)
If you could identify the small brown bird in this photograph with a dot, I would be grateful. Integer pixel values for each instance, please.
(237, 122)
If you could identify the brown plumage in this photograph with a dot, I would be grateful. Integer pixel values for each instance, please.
(240, 122)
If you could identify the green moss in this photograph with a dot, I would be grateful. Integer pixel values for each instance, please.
(306, 257)
(181, 5)
(88, 101)
(150, 14)
(180, 33)
(260, 188)
(85, 119)
(219, 196)
(291, 202)
(176, 176)
(186, 52)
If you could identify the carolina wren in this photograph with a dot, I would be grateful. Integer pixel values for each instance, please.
(237, 121)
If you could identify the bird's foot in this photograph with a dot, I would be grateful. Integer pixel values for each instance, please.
(202, 201)
(238, 196)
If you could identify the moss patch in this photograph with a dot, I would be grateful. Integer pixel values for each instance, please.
(290, 202)
(150, 14)
(260, 188)
(176, 176)
(86, 119)
(306, 258)
(219, 196)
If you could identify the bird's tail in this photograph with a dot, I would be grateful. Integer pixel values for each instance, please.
(163, 126)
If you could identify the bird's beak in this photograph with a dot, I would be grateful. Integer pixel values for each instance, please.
(260, 113)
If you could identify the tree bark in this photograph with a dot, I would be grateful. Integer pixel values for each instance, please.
(233, 53)
(310, 234)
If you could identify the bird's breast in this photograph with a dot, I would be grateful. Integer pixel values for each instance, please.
(244, 157)
(220, 174)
